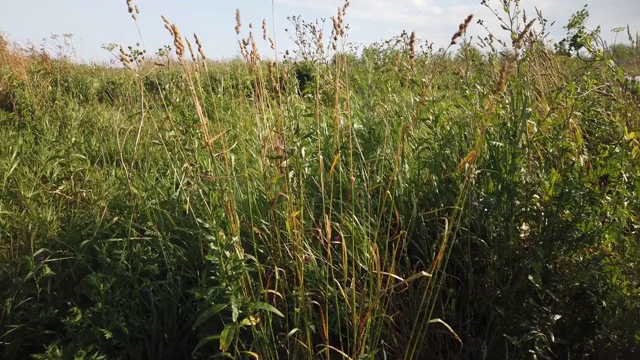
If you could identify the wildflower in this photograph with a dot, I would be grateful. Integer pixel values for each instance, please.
(40, 259)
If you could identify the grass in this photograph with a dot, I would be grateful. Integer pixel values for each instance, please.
(479, 201)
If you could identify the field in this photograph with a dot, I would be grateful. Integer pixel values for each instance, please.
(400, 202)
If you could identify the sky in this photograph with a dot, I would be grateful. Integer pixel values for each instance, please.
(94, 23)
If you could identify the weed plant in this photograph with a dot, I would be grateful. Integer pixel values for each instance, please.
(474, 202)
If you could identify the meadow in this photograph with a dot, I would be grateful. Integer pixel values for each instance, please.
(395, 201)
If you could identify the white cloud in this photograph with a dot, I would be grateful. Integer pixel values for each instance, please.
(437, 20)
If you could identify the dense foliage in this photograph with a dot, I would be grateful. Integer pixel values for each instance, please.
(480, 201)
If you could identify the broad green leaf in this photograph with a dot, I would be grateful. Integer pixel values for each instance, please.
(205, 341)
(207, 314)
(227, 335)
(266, 307)
(235, 309)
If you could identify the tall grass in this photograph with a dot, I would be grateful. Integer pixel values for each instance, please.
(479, 201)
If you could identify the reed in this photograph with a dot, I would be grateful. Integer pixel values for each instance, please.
(395, 202)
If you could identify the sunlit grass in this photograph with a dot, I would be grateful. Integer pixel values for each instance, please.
(400, 202)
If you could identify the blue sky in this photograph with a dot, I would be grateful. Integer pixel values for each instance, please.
(97, 22)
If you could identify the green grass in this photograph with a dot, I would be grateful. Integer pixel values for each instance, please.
(370, 206)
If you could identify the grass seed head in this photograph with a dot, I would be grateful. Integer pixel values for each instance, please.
(167, 25)
(264, 29)
(177, 39)
(133, 10)
(462, 28)
(517, 41)
(243, 44)
(502, 77)
(255, 54)
(238, 22)
(193, 55)
(412, 45)
(272, 77)
(199, 44)
(396, 64)
(124, 59)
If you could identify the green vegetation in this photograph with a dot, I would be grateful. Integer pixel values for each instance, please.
(479, 202)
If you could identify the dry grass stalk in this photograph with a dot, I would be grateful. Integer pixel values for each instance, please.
(17, 60)
(500, 86)
(244, 48)
(338, 25)
(179, 44)
(319, 42)
(248, 46)
(272, 78)
(396, 64)
(254, 55)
